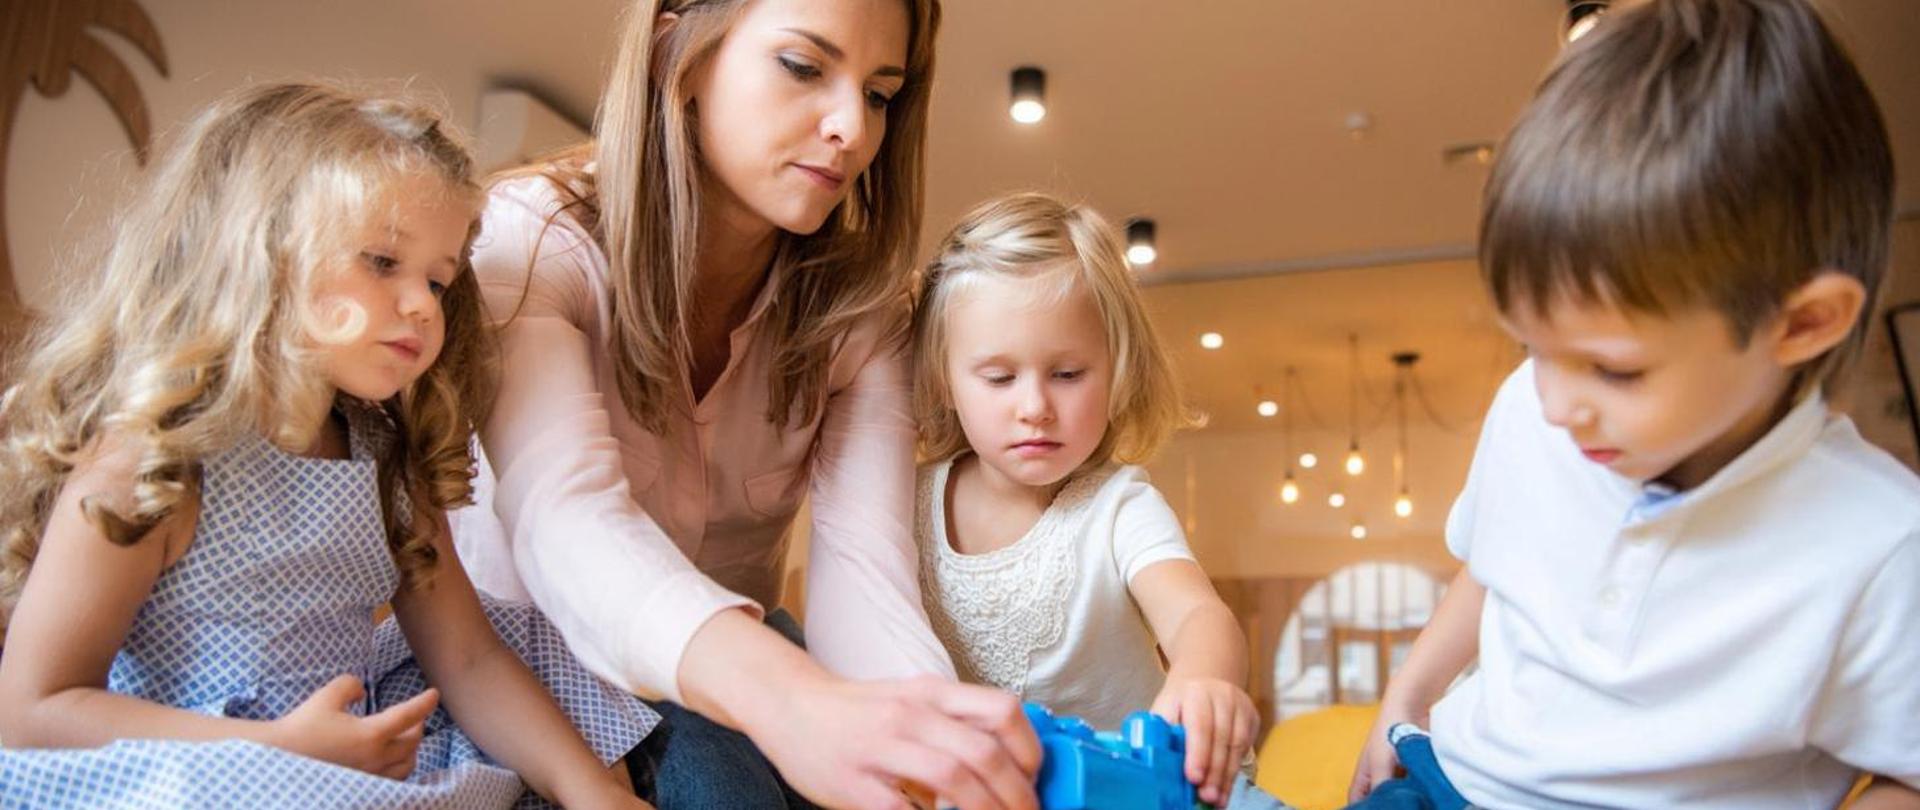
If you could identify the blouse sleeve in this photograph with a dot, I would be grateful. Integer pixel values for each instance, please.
(864, 615)
(624, 597)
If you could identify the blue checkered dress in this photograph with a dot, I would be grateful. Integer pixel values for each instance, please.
(274, 598)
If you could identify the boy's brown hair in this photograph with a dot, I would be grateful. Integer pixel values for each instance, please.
(1715, 153)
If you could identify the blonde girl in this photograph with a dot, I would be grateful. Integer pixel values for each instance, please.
(1050, 566)
(234, 446)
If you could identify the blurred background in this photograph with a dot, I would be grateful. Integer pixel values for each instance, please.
(1311, 170)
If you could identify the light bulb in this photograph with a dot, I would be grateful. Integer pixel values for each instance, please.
(1355, 464)
(1212, 340)
(1308, 461)
(1289, 491)
(1268, 407)
(1141, 254)
(1359, 531)
(1336, 500)
(1027, 111)
(1403, 505)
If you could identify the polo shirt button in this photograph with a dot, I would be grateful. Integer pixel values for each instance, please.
(1609, 596)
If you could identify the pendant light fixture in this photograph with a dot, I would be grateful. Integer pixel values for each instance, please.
(1403, 369)
(1289, 487)
(1356, 463)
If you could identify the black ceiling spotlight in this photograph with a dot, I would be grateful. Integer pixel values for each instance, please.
(1140, 248)
(1582, 16)
(1029, 95)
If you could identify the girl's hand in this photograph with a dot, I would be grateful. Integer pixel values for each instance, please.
(383, 744)
(864, 744)
(1378, 763)
(1220, 721)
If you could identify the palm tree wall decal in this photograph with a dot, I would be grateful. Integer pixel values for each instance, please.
(42, 42)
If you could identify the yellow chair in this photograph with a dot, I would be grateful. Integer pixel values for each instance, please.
(1307, 761)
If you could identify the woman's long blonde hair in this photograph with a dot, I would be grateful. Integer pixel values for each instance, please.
(198, 327)
(1068, 249)
(641, 203)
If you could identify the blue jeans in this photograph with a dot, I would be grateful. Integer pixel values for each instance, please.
(1424, 787)
(692, 763)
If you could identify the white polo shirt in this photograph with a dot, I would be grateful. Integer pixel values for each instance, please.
(1749, 644)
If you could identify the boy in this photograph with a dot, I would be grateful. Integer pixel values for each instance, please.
(1686, 582)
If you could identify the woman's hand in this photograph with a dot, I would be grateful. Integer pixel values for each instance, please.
(382, 744)
(868, 744)
(1220, 721)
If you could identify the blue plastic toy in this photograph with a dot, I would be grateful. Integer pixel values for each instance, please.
(1140, 767)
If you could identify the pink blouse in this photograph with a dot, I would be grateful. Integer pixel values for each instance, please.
(629, 541)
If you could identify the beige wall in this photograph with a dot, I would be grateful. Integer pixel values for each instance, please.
(1876, 401)
(70, 163)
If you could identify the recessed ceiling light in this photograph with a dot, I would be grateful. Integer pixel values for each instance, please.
(1582, 16)
(1140, 242)
(1029, 103)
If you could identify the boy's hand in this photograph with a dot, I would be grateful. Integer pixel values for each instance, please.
(1378, 763)
(1220, 722)
(383, 744)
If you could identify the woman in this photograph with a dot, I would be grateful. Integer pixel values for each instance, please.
(703, 315)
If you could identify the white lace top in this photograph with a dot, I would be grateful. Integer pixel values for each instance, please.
(1049, 617)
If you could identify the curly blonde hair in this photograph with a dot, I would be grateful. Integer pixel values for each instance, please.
(1069, 248)
(198, 329)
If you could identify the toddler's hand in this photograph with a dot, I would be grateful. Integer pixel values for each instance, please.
(383, 744)
(1378, 763)
(1220, 722)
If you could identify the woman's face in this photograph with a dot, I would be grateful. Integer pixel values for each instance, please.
(792, 107)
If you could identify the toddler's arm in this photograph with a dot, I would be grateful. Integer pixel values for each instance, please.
(79, 601)
(1449, 643)
(1206, 674)
(493, 696)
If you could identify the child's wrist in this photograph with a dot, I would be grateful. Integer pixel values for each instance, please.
(1404, 705)
(598, 789)
(272, 733)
